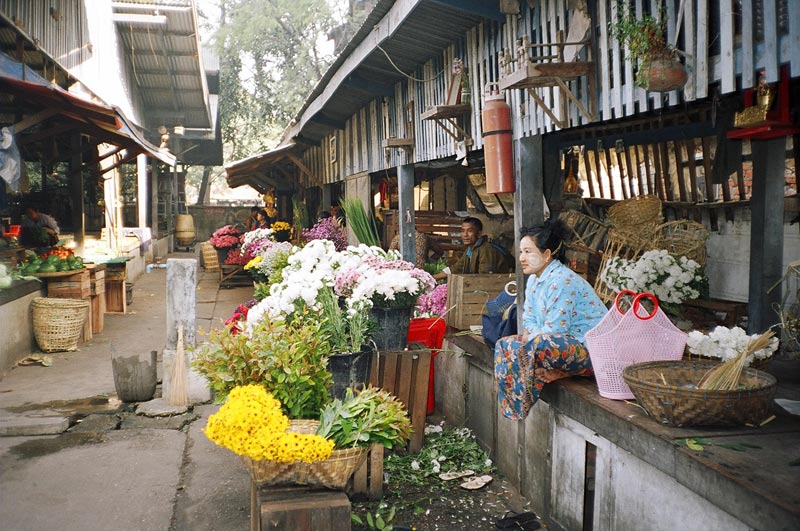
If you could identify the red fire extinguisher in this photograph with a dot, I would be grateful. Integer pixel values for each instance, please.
(497, 153)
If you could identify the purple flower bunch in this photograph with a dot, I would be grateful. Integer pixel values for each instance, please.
(327, 229)
(433, 303)
(225, 237)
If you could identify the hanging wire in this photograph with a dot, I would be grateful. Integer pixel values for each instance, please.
(408, 76)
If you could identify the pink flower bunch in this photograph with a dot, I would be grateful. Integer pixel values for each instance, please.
(345, 281)
(225, 237)
(327, 229)
(433, 303)
(235, 257)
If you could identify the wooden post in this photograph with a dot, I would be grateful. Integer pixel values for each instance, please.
(154, 167)
(529, 198)
(406, 223)
(141, 190)
(76, 193)
(766, 232)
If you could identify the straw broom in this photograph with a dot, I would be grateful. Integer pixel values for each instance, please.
(725, 377)
(177, 379)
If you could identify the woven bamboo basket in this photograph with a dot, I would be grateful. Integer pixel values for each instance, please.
(210, 258)
(637, 214)
(57, 323)
(333, 473)
(761, 365)
(678, 403)
(683, 238)
(620, 244)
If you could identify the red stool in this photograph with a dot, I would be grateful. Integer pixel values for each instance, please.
(430, 332)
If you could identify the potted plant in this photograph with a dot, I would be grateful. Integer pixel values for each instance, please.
(656, 63)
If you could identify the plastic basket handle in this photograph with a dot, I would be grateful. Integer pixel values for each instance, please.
(637, 303)
(619, 297)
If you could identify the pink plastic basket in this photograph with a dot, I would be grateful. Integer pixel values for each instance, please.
(623, 339)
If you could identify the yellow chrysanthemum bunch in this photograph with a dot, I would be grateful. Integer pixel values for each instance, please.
(280, 225)
(253, 264)
(251, 423)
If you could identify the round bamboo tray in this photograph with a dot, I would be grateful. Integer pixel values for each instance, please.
(666, 390)
(57, 274)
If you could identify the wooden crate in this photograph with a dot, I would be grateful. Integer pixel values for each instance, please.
(98, 312)
(210, 258)
(467, 296)
(77, 286)
(97, 278)
(298, 509)
(405, 374)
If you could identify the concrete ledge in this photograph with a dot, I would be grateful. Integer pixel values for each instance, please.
(16, 323)
(757, 487)
(18, 289)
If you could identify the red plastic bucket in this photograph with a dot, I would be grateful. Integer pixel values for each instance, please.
(430, 332)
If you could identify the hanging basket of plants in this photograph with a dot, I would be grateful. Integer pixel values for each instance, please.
(657, 62)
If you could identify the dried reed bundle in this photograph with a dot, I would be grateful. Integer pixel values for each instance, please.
(725, 377)
(177, 395)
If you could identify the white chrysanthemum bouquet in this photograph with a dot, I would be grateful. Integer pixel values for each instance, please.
(672, 280)
(726, 343)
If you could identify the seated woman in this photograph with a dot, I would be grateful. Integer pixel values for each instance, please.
(560, 307)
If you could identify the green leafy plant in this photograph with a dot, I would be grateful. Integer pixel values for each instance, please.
(380, 521)
(644, 38)
(288, 359)
(363, 225)
(372, 416)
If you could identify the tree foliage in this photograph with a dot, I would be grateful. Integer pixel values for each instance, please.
(271, 56)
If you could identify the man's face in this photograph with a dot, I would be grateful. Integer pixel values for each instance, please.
(469, 234)
(32, 214)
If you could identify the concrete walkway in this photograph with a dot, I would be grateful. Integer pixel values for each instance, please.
(115, 469)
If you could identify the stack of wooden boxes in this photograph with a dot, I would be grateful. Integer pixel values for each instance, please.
(97, 280)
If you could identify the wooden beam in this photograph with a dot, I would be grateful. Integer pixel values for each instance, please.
(707, 169)
(47, 133)
(303, 168)
(34, 119)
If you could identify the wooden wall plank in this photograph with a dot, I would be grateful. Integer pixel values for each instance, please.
(666, 171)
(641, 94)
(771, 40)
(701, 65)
(626, 156)
(587, 168)
(747, 28)
(603, 62)
(712, 213)
(655, 97)
(728, 72)
(617, 54)
(794, 38)
(680, 166)
(690, 50)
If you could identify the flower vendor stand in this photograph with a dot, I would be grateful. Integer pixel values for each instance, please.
(298, 509)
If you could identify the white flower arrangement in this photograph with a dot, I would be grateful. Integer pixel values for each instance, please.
(726, 343)
(363, 276)
(670, 279)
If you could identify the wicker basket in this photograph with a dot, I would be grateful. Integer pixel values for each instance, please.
(210, 259)
(636, 213)
(761, 364)
(683, 238)
(629, 246)
(679, 405)
(333, 473)
(57, 323)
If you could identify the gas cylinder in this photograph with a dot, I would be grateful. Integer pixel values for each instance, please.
(497, 151)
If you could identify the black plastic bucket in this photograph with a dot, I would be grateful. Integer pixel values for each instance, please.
(349, 370)
(391, 330)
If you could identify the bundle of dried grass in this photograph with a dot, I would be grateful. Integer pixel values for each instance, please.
(177, 395)
(725, 377)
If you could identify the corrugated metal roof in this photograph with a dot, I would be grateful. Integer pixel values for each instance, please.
(163, 50)
(410, 35)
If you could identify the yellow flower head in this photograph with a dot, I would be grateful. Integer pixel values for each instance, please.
(253, 264)
(280, 226)
(251, 423)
